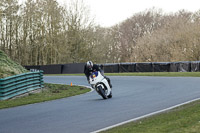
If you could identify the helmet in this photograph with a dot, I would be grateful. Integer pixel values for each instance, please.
(89, 64)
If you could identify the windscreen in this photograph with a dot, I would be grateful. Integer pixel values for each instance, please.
(94, 74)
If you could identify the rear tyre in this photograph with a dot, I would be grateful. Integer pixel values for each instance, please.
(102, 92)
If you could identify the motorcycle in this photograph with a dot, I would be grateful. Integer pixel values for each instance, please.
(100, 84)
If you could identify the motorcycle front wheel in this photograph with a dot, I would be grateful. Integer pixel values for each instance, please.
(102, 92)
(110, 96)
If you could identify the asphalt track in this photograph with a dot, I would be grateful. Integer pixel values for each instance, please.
(133, 97)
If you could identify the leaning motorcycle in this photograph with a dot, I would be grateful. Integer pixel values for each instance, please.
(100, 84)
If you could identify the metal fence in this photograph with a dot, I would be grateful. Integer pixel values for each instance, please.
(185, 66)
(18, 84)
(59, 68)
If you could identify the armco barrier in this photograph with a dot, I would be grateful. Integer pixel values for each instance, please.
(19, 84)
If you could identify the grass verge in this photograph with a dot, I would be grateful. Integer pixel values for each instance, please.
(184, 119)
(8, 67)
(49, 92)
(162, 74)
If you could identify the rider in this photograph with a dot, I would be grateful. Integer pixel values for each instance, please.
(90, 67)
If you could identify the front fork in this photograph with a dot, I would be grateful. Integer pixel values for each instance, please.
(93, 86)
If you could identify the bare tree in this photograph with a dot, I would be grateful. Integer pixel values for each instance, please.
(78, 26)
(9, 10)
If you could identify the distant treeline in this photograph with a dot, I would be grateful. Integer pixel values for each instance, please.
(40, 32)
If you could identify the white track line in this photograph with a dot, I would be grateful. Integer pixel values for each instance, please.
(147, 115)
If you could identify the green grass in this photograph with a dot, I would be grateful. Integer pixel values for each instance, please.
(163, 74)
(50, 92)
(184, 119)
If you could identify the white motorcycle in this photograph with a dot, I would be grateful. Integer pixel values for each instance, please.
(100, 84)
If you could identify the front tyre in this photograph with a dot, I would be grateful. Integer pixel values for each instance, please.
(102, 92)
(110, 96)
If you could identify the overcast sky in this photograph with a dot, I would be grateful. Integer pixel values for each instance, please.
(110, 12)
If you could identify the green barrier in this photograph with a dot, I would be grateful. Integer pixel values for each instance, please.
(22, 83)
